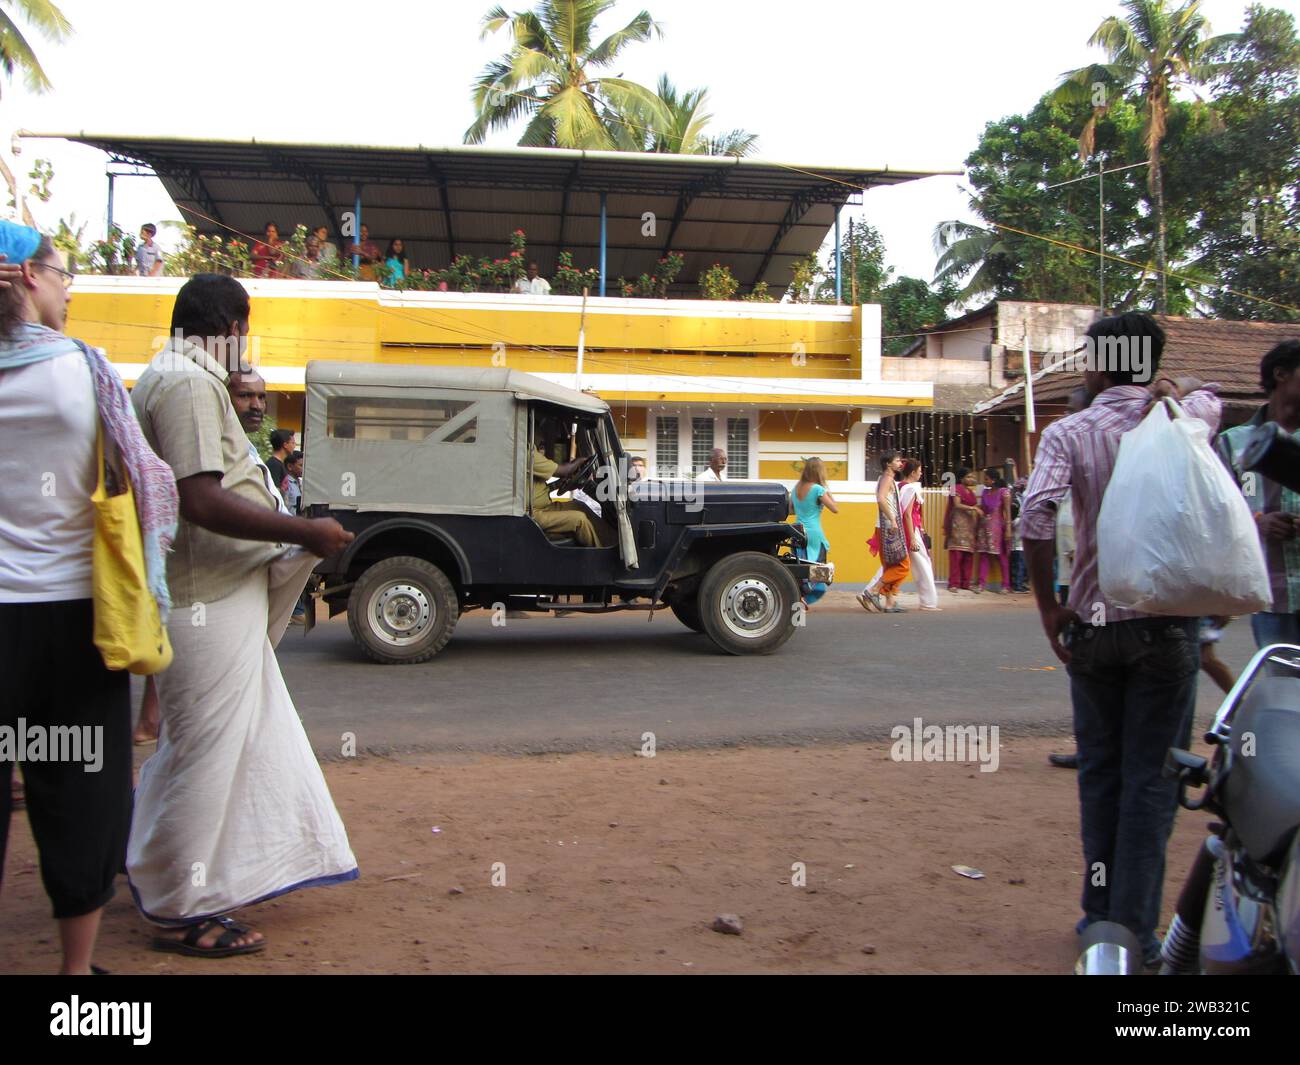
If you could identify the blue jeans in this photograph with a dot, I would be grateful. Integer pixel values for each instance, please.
(811, 590)
(1133, 686)
(1019, 574)
(1275, 628)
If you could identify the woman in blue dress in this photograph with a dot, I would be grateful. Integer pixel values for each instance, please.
(807, 500)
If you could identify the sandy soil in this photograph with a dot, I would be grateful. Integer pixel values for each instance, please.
(621, 863)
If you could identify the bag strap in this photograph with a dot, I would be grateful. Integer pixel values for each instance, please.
(100, 488)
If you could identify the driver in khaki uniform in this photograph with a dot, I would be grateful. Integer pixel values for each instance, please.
(568, 519)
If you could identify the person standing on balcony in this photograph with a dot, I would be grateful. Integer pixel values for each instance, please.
(395, 262)
(309, 267)
(329, 254)
(534, 284)
(717, 463)
(993, 538)
(266, 252)
(960, 523)
(368, 252)
(806, 501)
(148, 256)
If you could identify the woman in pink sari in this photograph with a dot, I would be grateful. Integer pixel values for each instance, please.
(993, 538)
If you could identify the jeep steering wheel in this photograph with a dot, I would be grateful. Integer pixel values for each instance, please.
(578, 478)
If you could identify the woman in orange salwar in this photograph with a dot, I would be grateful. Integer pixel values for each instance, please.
(895, 533)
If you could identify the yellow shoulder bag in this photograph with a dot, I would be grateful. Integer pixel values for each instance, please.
(128, 627)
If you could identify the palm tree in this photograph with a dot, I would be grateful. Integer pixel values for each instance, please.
(683, 128)
(966, 249)
(1149, 52)
(551, 76)
(16, 53)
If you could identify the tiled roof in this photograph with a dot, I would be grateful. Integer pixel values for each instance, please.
(1211, 349)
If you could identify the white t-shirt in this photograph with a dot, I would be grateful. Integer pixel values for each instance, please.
(538, 286)
(708, 475)
(48, 420)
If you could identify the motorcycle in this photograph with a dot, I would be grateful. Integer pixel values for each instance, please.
(1239, 909)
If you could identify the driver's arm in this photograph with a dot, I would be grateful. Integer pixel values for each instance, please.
(566, 468)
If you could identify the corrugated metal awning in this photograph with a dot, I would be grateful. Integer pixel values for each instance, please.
(755, 217)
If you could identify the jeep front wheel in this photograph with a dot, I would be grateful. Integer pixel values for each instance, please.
(746, 603)
(402, 610)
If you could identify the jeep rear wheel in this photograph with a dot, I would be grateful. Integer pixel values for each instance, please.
(687, 611)
(746, 603)
(402, 610)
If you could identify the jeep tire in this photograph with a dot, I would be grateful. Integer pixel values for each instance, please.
(402, 610)
(746, 603)
(687, 611)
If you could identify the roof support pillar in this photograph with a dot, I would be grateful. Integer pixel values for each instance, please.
(839, 285)
(603, 234)
(356, 235)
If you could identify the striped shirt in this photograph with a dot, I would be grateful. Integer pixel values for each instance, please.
(1077, 454)
(1266, 496)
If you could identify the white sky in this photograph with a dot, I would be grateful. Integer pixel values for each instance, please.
(855, 82)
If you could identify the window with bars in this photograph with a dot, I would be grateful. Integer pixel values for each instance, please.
(738, 447)
(701, 443)
(666, 437)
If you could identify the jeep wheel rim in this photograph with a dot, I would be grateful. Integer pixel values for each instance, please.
(751, 608)
(400, 613)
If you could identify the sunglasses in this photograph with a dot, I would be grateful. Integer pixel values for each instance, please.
(68, 275)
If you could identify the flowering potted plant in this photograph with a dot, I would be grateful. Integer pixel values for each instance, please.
(717, 283)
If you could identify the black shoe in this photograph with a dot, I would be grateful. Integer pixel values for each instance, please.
(1064, 761)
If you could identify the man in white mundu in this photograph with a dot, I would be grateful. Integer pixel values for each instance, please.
(233, 808)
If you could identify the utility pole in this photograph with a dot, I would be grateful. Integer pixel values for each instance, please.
(1100, 175)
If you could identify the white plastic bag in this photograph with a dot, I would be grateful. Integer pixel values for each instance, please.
(1174, 535)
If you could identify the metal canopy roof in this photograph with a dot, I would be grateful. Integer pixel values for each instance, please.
(755, 217)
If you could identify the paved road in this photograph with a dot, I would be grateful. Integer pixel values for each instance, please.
(598, 683)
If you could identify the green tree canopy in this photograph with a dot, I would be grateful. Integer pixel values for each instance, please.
(552, 76)
(15, 52)
(1150, 51)
(1240, 178)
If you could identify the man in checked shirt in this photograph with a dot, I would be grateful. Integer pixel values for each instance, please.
(1132, 675)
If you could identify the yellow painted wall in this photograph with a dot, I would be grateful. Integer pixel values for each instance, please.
(789, 469)
(290, 331)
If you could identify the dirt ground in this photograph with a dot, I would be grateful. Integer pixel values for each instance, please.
(619, 864)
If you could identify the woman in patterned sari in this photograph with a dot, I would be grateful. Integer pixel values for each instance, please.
(960, 523)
